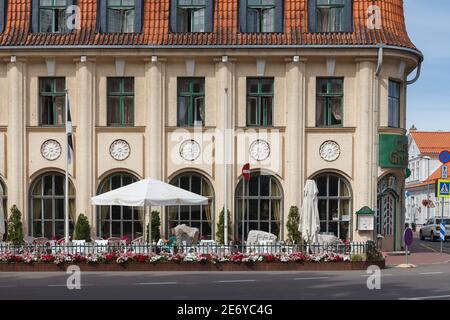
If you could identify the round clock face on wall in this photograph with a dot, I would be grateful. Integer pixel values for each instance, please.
(120, 150)
(190, 150)
(260, 150)
(51, 150)
(330, 151)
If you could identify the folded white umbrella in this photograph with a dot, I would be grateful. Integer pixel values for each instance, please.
(2, 216)
(310, 219)
(148, 192)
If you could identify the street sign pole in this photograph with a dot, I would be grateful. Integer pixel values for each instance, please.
(408, 238)
(442, 222)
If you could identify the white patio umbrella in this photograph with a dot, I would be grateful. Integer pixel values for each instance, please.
(146, 193)
(309, 218)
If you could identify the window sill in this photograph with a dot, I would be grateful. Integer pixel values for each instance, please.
(331, 129)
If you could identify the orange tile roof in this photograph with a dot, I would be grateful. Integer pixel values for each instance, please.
(156, 28)
(431, 143)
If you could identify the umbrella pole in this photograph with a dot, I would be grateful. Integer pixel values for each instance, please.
(150, 226)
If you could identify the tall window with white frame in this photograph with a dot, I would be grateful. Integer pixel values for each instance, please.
(329, 102)
(120, 102)
(394, 104)
(335, 199)
(52, 99)
(121, 16)
(53, 16)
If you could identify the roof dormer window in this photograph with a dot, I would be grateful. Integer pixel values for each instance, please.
(50, 16)
(191, 15)
(261, 15)
(121, 16)
(3, 7)
(330, 15)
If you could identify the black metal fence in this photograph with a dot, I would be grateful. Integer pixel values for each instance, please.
(356, 248)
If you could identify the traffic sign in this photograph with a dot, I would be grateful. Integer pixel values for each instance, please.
(444, 172)
(442, 232)
(246, 173)
(408, 237)
(443, 188)
(444, 157)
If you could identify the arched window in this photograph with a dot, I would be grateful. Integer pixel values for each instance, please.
(47, 203)
(387, 205)
(117, 221)
(335, 205)
(3, 209)
(201, 217)
(260, 208)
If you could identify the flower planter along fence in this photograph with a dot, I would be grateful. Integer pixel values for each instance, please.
(185, 258)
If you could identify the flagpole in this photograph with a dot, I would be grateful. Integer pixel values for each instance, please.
(66, 198)
(225, 155)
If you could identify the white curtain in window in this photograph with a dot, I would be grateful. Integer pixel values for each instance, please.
(198, 20)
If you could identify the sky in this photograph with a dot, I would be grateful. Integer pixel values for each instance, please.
(428, 24)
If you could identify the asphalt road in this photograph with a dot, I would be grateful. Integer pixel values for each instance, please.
(429, 246)
(426, 282)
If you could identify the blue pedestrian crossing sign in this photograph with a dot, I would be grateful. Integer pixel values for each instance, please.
(442, 232)
(443, 188)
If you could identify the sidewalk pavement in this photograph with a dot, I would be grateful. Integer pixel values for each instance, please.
(418, 258)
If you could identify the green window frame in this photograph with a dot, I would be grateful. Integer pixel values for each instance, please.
(121, 15)
(261, 15)
(52, 100)
(394, 104)
(120, 105)
(191, 102)
(260, 96)
(53, 16)
(329, 102)
(191, 15)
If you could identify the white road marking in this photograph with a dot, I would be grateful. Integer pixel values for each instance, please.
(8, 286)
(383, 275)
(426, 298)
(65, 285)
(315, 278)
(234, 281)
(154, 283)
(430, 273)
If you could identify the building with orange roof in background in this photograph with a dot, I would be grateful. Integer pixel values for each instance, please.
(424, 149)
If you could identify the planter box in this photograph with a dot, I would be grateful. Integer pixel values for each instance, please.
(182, 267)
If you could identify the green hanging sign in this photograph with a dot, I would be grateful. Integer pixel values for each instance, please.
(393, 151)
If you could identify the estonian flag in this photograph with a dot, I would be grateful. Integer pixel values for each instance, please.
(69, 131)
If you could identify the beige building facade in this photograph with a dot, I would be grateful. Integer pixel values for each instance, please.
(288, 144)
